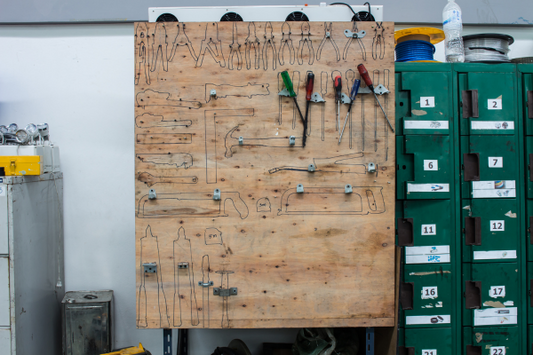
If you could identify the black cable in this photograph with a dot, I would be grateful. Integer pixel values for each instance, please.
(343, 3)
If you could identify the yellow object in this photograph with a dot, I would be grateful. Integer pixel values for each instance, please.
(20, 165)
(130, 351)
(435, 35)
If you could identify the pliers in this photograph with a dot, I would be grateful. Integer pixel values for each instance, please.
(306, 40)
(286, 42)
(327, 35)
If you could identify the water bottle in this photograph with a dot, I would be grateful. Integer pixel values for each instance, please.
(453, 28)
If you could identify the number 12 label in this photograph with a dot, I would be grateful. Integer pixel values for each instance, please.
(495, 162)
(497, 350)
(497, 291)
(495, 104)
(497, 226)
(427, 101)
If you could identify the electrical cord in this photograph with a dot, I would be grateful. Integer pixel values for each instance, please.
(356, 15)
(414, 50)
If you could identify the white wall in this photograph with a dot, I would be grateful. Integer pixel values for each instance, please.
(79, 79)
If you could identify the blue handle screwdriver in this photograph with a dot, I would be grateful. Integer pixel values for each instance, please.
(353, 94)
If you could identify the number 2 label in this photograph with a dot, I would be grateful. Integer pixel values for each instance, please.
(497, 291)
(427, 101)
(495, 162)
(432, 352)
(497, 350)
(429, 229)
(431, 165)
(495, 104)
(429, 292)
(497, 226)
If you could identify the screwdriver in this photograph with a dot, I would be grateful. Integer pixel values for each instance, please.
(288, 84)
(338, 98)
(366, 78)
(308, 93)
(353, 94)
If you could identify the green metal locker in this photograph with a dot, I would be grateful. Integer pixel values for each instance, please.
(526, 96)
(428, 341)
(492, 341)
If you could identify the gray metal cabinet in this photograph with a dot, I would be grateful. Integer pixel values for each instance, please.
(31, 264)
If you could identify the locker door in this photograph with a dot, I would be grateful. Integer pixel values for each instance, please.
(527, 101)
(492, 341)
(529, 287)
(487, 103)
(424, 167)
(529, 230)
(529, 166)
(490, 166)
(425, 230)
(491, 230)
(426, 295)
(429, 341)
(491, 294)
(5, 306)
(425, 103)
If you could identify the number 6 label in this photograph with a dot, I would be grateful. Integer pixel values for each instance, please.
(431, 165)
(497, 350)
(429, 293)
(497, 291)
(495, 104)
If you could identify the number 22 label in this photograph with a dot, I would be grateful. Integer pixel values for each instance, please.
(497, 350)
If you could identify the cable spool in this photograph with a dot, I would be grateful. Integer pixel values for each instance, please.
(487, 48)
(417, 44)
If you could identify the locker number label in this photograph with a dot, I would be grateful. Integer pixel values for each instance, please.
(431, 352)
(429, 293)
(497, 350)
(429, 229)
(497, 291)
(427, 101)
(431, 165)
(495, 162)
(497, 226)
(495, 104)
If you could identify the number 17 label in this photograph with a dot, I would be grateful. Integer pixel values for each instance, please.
(497, 291)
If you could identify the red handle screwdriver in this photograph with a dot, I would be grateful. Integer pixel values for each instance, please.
(308, 92)
(338, 98)
(368, 82)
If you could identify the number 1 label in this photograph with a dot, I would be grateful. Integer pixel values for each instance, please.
(497, 291)
(429, 292)
(497, 350)
(495, 104)
(427, 101)
(495, 162)
(497, 226)
(431, 165)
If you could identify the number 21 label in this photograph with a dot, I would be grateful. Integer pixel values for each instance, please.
(497, 350)
(497, 291)
(431, 352)
(495, 104)
(495, 162)
(497, 226)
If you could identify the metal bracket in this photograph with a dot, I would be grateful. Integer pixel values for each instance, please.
(225, 292)
(183, 265)
(150, 268)
(345, 99)
(213, 92)
(315, 97)
(216, 195)
(348, 189)
(152, 195)
(292, 140)
(300, 189)
(381, 90)
(284, 92)
(205, 284)
(351, 34)
(311, 168)
(371, 167)
(241, 141)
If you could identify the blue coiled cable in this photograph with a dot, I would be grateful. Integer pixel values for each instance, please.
(409, 51)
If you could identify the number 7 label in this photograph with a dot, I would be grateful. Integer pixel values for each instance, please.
(495, 162)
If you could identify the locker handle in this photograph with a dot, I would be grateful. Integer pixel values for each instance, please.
(471, 166)
(405, 232)
(530, 167)
(406, 295)
(530, 104)
(472, 230)
(403, 350)
(473, 350)
(530, 230)
(472, 294)
(470, 103)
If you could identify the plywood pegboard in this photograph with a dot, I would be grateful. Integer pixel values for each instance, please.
(321, 258)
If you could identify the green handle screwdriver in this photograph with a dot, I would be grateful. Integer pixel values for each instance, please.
(288, 84)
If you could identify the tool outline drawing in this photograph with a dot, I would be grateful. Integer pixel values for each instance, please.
(281, 142)
(235, 50)
(328, 29)
(328, 165)
(151, 180)
(213, 236)
(149, 120)
(181, 250)
(286, 42)
(250, 90)
(225, 284)
(142, 64)
(324, 77)
(164, 138)
(378, 42)
(305, 41)
(182, 39)
(159, 47)
(263, 205)
(151, 97)
(358, 40)
(169, 205)
(269, 44)
(252, 43)
(214, 46)
(178, 160)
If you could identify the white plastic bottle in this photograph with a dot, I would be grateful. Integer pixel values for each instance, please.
(453, 27)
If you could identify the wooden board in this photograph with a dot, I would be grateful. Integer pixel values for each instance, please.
(321, 258)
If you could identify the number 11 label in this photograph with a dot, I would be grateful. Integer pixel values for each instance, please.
(427, 101)
(429, 229)
(497, 350)
(497, 291)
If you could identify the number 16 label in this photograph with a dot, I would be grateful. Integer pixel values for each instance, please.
(497, 226)
(429, 292)
(497, 350)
